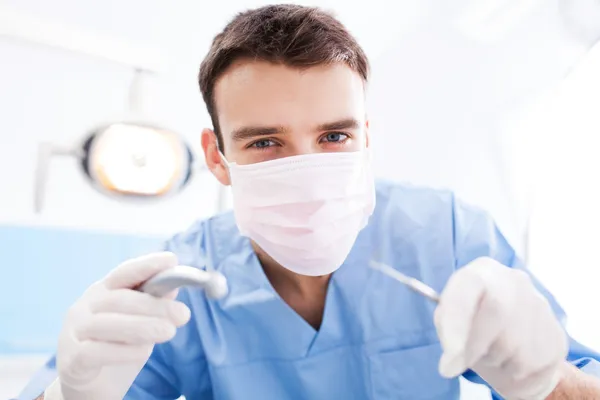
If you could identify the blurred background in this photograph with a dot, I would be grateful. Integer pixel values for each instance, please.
(497, 100)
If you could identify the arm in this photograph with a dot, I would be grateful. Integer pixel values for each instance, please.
(41, 380)
(576, 384)
(476, 235)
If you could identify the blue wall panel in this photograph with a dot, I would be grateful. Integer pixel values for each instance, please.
(44, 270)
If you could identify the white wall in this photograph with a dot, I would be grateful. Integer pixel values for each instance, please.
(444, 107)
(565, 220)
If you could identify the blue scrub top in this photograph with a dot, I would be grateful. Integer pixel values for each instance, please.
(377, 339)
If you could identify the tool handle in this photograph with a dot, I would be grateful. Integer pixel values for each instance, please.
(212, 282)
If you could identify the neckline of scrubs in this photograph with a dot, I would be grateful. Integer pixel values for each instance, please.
(347, 280)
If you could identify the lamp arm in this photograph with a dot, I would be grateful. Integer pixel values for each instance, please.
(42, 169)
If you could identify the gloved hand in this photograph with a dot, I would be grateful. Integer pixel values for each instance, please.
(492, 320)
(109, 333)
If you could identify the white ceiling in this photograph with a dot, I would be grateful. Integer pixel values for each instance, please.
(182, 30)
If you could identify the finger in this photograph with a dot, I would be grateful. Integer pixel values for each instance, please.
(94, 355)
(493, 315)
(130, 302)
(127, 329)
(138, 270)
(454, 316)
(171, 295)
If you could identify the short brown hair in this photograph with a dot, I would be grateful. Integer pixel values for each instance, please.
(292, 35)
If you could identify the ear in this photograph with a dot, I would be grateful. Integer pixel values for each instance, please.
(212, 157)
(367, 133)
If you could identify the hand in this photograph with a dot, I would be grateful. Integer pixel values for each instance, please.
(491, 319)
(109, 333)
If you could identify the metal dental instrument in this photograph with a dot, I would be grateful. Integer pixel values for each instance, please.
(412, 283)
(213, 282)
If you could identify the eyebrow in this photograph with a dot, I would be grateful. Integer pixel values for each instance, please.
(250, 132)
(347, 123)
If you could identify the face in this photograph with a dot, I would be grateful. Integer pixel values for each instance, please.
(268, 111)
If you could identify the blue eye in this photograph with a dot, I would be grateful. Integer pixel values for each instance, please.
(262, 144)
(335, 137)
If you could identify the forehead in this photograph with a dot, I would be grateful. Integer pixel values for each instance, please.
(262, 93)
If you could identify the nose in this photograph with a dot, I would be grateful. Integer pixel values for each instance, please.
(305, 145)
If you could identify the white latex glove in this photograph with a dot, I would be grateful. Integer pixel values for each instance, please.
(109, 333)
(492, 320)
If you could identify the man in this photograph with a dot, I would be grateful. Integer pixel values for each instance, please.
(305, 317)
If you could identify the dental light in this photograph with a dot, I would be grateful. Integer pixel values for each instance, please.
(128, 157)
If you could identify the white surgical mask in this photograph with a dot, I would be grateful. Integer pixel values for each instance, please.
(305, 211)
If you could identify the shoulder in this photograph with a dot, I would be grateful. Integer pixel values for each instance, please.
(423, 203)
(411, 202)
(419, 213)
(206, 242)
(436, 216)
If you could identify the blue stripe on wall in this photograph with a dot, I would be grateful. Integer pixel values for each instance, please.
(44, 270)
